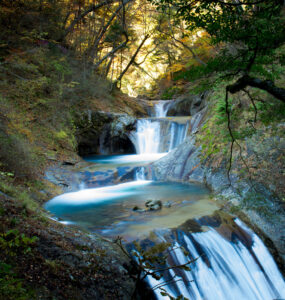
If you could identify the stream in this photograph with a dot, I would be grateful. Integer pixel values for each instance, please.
(233, 263)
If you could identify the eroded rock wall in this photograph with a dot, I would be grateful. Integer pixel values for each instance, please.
(104, 133)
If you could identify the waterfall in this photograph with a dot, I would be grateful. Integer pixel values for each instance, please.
(178, 134)
(158, 135)
(140, 174)
(224, 270)
(147, 136)
(161, 108)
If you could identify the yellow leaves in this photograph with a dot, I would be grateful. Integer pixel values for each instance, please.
(61, 135)
(7, 10)
(176, 67)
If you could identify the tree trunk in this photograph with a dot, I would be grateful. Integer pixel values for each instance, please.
(108, 66)
(104, 29)
(132, 59)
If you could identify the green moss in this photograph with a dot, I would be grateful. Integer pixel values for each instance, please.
(13, 243)
(170, 92)
(258, 203)
(27, 201)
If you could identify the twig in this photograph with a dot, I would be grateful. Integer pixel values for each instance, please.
(231, 134)
(253, 103)
(171, 281)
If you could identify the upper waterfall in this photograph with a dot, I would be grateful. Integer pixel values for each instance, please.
(161, 108)
(158, 133)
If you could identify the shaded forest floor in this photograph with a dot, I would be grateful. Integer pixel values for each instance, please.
(42, 92)
(41, 259)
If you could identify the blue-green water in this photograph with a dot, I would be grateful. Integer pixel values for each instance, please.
(109, 210)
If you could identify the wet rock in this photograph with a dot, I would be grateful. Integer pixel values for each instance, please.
(168, 204)
(138, 209)
(188, 105)
(153, 204)
(104, 133)
(191, 226)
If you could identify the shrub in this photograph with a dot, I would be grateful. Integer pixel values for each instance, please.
(11, 287)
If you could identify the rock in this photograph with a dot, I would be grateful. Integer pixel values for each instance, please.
(104, 133)
(153, 204)
(70, 162)
(138, 209)
(188, 105)
(168, 204)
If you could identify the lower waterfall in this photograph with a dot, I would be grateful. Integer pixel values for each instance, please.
(240, 268)
(147, 136)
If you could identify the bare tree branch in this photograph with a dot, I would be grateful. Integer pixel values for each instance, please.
(104, 29)
(122, 45)
(91, 8)
(132, 60)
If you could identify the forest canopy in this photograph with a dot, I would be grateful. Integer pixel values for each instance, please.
(135, 43)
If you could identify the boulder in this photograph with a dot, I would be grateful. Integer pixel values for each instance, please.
(153, 204)
(188, 105)
(138, 209)
(168, 204)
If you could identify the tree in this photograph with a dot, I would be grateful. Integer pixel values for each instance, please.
(248, 33)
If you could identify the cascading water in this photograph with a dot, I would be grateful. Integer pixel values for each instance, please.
(224, 270)
(229, 266)
(178, 134)
(158, 135)
(148, 136)
(161, 108)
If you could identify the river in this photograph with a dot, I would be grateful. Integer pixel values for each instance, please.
(233, 263)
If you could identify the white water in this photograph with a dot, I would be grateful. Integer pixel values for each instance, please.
(232, 272)
(178, 134)
(97, 195)
(161, 108)
(125, 159)
(149, 138)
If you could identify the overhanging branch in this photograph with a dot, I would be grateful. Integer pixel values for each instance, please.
(266, 85)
